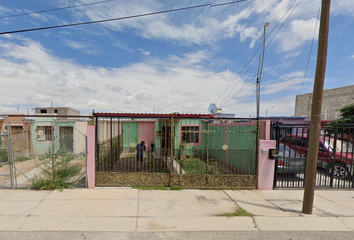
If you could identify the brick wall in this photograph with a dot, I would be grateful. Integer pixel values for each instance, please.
(333, 100)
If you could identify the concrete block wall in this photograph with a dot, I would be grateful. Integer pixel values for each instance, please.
(333, 100)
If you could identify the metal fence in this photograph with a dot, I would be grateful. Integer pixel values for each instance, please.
(335, 155)
(4, 160)
(187, 152)
(36, 149)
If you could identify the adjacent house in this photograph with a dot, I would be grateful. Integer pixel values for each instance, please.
(58, 129)
(18, 125)
(226, 140)
(50, 129)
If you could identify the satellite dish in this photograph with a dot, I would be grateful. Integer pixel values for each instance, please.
(212, 109)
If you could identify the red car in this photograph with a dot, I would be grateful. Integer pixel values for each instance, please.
(341, 162)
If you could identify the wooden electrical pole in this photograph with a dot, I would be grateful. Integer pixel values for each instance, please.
(315, 125)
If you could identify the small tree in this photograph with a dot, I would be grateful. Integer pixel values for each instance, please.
(182, 146)
(347, 114)
(56, 173)
(345, 131)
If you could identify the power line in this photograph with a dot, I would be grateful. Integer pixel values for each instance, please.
(313, 39)
(227, 3)
(120, 18)
(252, 57)
(55, 9)
(281, 26)
(223, 102)
(241, 88)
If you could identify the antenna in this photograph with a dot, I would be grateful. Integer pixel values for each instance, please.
(212, 109)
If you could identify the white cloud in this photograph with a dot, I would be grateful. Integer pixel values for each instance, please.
(290, 82)
(84, 47)
(280, 106)
(341, 7)
(4, 109)
(74, 45)
(121, 45)
(172, 85)
(299, 32)
(144, 52)
(208, 25)
(292, 54)
(182, 27)
(192, 57)
(95, 104)
(351, 57)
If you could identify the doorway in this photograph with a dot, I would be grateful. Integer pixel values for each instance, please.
(66, 139)
(165, 140)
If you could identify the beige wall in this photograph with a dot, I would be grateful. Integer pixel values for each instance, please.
(333, 100)
(80, 133)
(104, 130)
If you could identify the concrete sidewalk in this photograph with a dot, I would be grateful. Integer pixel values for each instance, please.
(132, 210)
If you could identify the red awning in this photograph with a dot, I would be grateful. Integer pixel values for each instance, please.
(153, 115)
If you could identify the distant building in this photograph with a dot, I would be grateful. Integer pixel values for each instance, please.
(64, 111)
(333, 100)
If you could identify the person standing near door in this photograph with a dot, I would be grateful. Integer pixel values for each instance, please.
(140, 149)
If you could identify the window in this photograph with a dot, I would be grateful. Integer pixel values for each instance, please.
(301, 142)
(55, 110)
(43, 110)
(190, 134)
(286, 139)
(44, 133)
(16, 129)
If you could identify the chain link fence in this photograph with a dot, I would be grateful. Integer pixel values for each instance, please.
(4, 162)
(37, 150)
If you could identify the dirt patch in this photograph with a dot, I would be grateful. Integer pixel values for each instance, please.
(30, 169)
(23, 167)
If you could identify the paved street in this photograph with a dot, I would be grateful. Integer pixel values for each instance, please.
(132, 213)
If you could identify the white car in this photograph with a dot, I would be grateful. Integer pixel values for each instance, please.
(290, 161)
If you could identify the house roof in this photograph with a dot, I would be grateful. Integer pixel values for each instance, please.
(154, 115)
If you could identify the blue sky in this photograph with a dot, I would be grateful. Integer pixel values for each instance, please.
(173, 62)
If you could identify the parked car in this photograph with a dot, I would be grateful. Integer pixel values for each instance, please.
(290, 161)
(339, 161)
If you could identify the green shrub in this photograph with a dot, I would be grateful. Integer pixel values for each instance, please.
(22, 158)
(3, 155)
(57, 170)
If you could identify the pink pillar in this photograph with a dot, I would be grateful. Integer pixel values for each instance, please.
(265, 165)
(90, 172)
(267, 132)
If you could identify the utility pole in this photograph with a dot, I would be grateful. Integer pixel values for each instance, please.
(315, 125)
(258, 89)
(259, 74)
